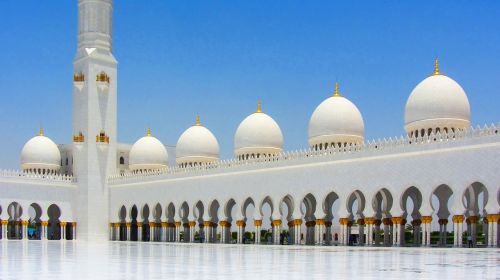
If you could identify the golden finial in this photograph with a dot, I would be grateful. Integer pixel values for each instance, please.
(436, 67)
(41, 131)
(148, 133)
(336, 92)
(198, 122)
(259, 107)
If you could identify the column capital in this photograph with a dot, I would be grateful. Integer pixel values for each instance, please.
(209, 224)
(344, 221)
(116, 225)
(152, 224)
(257, 223)
(5, 222)
(111, 225)
(416, 222)
(370, 221)
(492, 218)
(310, 223)
(320, 222)
(178, 224)
(398, 221)
(387, 221)
(276, 223)
(164, 224)
(426, 219)
(472, 220)
(192, 223)
(128, 225)
(296, 222)
(443, 221)
(139, 224)
(458, 219)
(43, 223)
(241, 223)
(25, 222)
(225, 224)
(361, 222)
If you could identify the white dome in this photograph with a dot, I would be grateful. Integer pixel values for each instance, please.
(148, 153)
(197, 145)
(437, 102)
(258, 134)
(336, 120)
(40, 153)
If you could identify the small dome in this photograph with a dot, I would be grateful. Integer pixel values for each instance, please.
(438, 103)
(336, 122)
(41, 155)
(197, 145)
(148, 153)
(258, 134)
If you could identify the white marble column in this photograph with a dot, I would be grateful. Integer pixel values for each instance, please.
(492, 229)
(44, 229)
(319, 231)
(192, 225)
(152, 231)
(458, 221)
(24, 230)
(164, 234)
(276, 224)
(128, 225)
(258, 226)
(111, 229)
(4, 229)
(426, 231)
(240, 226)
(63, 230)
(139, 231)
(73, 224)
(369, 226)
(178, 226)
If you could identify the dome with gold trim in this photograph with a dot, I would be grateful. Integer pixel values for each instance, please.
(258, 135)
(336, 122)
(197, 145)
(437, 104)
(41, 155)
(148, 154)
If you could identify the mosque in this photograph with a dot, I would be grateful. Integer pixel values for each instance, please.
(441, 176)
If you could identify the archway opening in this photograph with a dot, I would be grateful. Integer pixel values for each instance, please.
(54, 226)
(34, 222)
(14, 228)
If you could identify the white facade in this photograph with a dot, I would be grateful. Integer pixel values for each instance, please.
(339, 188)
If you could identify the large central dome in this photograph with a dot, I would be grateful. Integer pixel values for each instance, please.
(258, 135)
(438, 103)
(336, 122)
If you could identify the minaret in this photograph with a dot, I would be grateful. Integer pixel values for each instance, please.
(94, 117)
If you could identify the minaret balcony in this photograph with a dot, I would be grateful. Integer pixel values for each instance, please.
(102, 80)
(79, 80)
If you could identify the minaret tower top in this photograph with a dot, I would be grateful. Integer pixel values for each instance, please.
(95, 24)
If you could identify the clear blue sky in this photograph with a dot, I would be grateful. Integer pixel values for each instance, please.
(216, 58)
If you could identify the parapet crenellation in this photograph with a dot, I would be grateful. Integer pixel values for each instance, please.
(23, 175)
(379, 147)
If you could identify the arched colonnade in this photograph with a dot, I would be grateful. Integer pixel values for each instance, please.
(411, 217)
(34, 221)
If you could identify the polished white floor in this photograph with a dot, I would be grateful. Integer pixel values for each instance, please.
(122, 260)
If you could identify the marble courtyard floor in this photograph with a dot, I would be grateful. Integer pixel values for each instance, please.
(124, 260)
